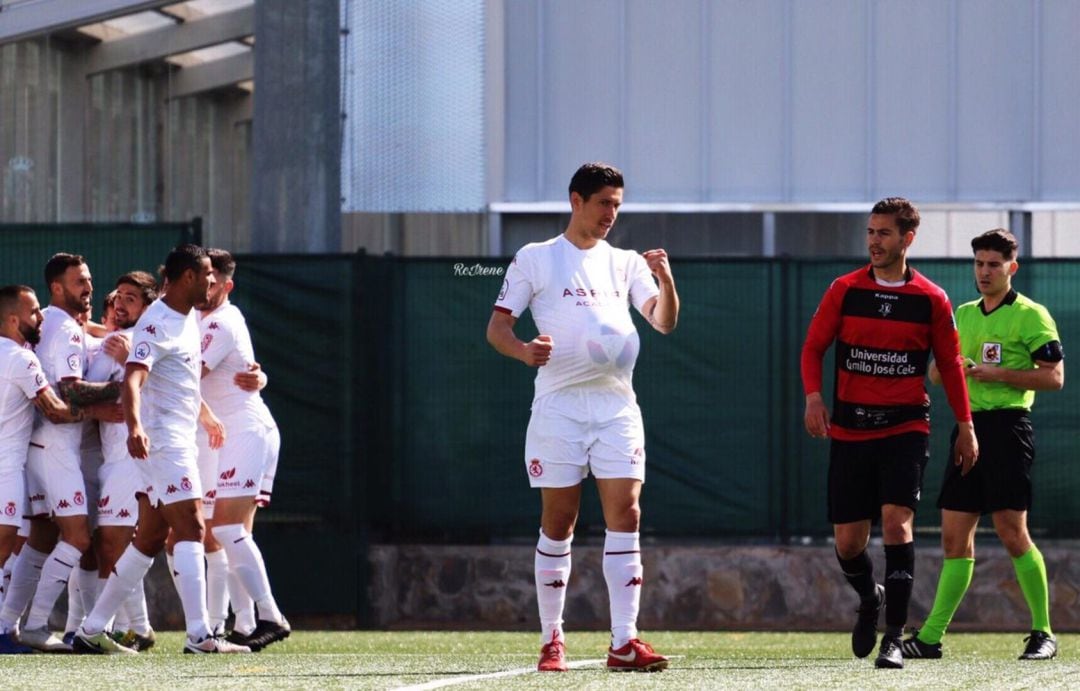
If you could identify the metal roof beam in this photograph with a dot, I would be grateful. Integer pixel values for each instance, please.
(161, 43)
(28, 19)
(213, 75)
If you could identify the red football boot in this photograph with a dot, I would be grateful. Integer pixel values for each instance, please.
(635, 656)
(552, 656)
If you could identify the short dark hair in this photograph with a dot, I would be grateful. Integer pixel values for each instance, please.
(997, 240)
(58, 264)
(182, 258)
(907, 215)
(593, 177)
(9, 298)
(141, 281)
(222, 262)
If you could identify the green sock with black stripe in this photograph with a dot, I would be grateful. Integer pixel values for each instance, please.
(1031, 574)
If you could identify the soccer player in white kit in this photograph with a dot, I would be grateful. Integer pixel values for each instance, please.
(117, 507)
(54, 474)
(237, 470)
(161, 402)
(22, 387)
(584, 414)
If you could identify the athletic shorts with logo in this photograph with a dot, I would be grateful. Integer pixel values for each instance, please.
(239, 467)
(12, 492)
(54, 481)
(576, 430)
(1001, 479)
(170, 474)
(864, 475)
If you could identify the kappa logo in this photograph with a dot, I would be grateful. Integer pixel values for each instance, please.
(78, 499)
(103, 502)
(151, 329)
(32, 364)
(214, 326)
(899, 575)
(171, 489)
(228, 474)
(636, 580)
(75, 338)
(557, 583)
(63, 504)
(124, 513)
(536, 468)
(185, 484)
(249, 484)
(10, 509)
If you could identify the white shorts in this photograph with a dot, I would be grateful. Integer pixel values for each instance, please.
(208, 465)
(24, 529)
(266, 487)
(120, 481)
(54, 482)
(577, 430)
(170, 474)
(12, 496)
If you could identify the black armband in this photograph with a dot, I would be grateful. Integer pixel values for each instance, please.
(1051, 352)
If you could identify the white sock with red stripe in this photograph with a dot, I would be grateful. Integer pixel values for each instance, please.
(622, 571)
(128, 572)
(217, 581)
(242, 605)
(552, 569)
(246, 560)
(134, 608)
(190, 563)
(25, 573)
(75, 611)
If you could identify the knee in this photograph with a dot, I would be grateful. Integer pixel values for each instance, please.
(896, 528)
(849, 547)
(957, 546)
(1015, 538)
(628, 520)
(79, 540)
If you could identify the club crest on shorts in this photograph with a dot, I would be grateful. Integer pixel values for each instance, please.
(185, 484)
(536, 468)
(991, 353)
(10, 509)
(78, 499)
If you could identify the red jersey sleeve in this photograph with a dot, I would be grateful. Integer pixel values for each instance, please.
(824, 326)
(945, 342)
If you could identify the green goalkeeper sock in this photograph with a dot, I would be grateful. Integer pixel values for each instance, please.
(1031, 574)
(952, 584)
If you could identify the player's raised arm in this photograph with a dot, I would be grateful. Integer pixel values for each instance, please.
(663, 312)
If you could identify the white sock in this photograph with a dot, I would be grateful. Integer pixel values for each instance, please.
(171, 561)
(5, 577)
(622, 571)
(75, 611)
(217, 589)
(189, 560)
(129, 571)
(120, 620)
(552, 570)
(89, 587)
(242, 605)
(54, 580)
(138, 620)
(246, 560)
(25, 573)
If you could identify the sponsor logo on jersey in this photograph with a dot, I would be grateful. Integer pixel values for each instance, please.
(590, 293)
(78, 499)
(211, 494)
(103, 502)
(9, 510)
(38, 497)
(228, 474)
(536, 468)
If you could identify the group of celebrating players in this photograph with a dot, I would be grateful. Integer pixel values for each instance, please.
(118, 439)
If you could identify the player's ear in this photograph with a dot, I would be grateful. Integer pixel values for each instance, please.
(576, 201)
(1013, 266)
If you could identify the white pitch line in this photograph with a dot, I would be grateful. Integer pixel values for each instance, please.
(453, 681)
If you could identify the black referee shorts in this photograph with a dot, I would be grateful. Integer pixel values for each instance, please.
(1001, 479)
(863, 475)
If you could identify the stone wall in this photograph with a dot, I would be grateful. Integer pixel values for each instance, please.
(689, 587)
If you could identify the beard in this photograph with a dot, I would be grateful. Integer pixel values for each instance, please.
(32, 334)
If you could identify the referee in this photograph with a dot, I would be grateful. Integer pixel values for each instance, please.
(1012, 349)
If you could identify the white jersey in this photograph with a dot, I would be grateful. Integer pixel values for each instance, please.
(62, 352)
(581, 299)
(21, 379)
(167, 343)
(227, 350)
(104, 368)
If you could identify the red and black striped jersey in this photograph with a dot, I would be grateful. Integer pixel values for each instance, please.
(884, 337)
